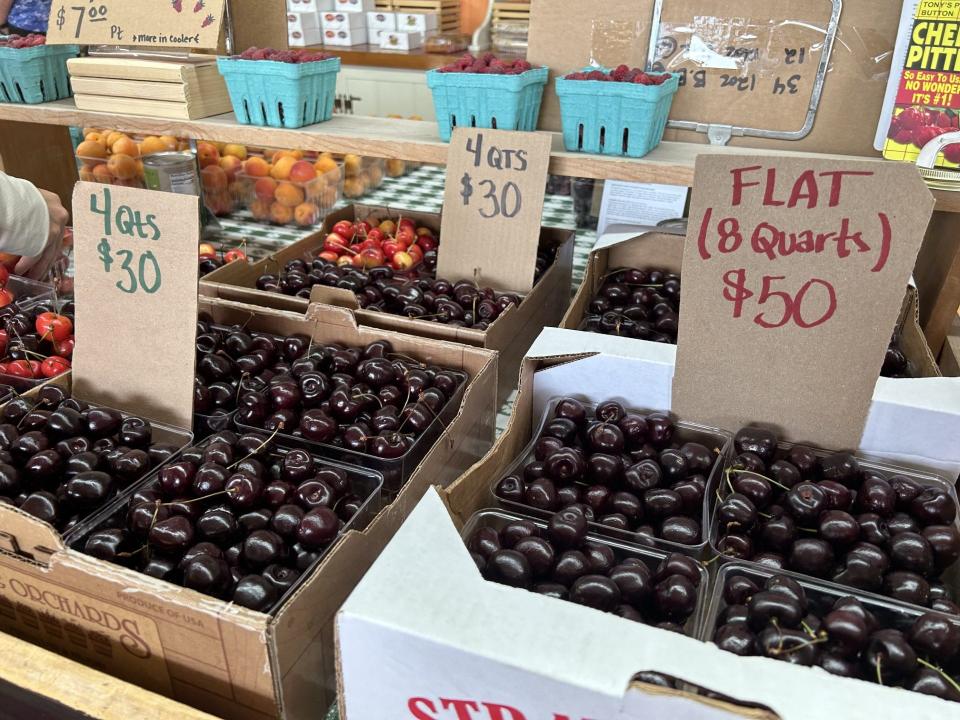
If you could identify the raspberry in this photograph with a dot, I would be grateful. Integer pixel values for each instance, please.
(487, 58)
(620, 73)
(522, 65)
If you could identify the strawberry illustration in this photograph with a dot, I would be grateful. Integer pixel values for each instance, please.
(199, 6)
(178, 5)
(207, 21)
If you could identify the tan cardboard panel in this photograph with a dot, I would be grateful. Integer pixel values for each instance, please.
(493, 202)
(136, 289)
(803, 315)
(191, 24)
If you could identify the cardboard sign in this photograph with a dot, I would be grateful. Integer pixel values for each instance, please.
(496, 180)
(793, 277)
(136, 292)
(152, 23)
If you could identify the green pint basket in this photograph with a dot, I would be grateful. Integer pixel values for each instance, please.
(614, 118)
(35, 75)
(278, 94)
(505, 102)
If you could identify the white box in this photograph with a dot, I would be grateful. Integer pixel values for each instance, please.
(316, 6)
(302, 22)
(305, 38)
(355, 6)
(417, 22)
(342, 21)
(345, 37)
(457, 642)
(393, 40)
(381, 21)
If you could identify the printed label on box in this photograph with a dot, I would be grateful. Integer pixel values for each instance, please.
(100, 634)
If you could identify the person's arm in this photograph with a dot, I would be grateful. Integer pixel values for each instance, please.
(5, 6)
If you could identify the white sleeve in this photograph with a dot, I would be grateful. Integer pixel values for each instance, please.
(24, 218)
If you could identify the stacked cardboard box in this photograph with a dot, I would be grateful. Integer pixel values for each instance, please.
(303, 21)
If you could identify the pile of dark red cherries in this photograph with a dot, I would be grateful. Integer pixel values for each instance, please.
(232, 518)
(366, 400)
(826, 516)
(782, 620)
(623, 470)
(561, 562)
(895, 363)
(634, 303)
(414, 294)
(61, 459)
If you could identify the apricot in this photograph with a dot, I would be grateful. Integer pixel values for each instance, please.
(375, 175)
(264, 188)
(351, 165)
(396, 168)
(260, 209)
(353, 188)
(231, 166)
(282, 167)
(112, 136)
(91, 150)
(302, 172)
(101, 174)
(153, 144)
(125, 146)
(328, 198)
(207, 154)
(214, 178)
(281, 214)
(295, 154)
(256, 167)
(90, 130)
(326, 165)
(234, 150)
(86, 174)
(122, 167)
(289, 195)
(306, 214)
(170, 141)
(97, 137)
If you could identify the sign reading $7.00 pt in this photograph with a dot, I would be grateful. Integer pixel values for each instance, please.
(157, 23)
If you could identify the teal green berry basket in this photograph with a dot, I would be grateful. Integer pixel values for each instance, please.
(614, 118)
(36, 74)
(506, 102)
(278, 94)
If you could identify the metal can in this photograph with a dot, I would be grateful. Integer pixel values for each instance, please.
(174, 172)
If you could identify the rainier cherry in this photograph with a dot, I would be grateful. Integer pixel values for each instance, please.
(235, 254)
(345, 229)
(52, 326)
(64, 347)
(6, 297)
(20, 368)
(54, 365)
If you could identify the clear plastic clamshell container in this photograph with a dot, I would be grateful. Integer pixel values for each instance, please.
(721, 490)
(714, 439)
(395, 471)
(651, 557)
(367, 484)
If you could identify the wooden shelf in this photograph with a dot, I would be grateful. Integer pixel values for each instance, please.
(671, 163)
(374, 56)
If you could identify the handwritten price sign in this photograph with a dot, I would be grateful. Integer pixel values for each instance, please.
(136, 289)
(793, 275)
(157, 23)
(496, 181)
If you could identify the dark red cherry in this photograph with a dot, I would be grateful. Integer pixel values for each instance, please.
(173, 535)
(255, 593)
(318, 527)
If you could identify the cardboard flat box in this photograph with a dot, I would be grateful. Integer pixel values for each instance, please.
(227, 660)
(418, 22)
(511, 335)
(457, 641)
(394, 40)
(381, 21)
(743, 63)
(642, 247)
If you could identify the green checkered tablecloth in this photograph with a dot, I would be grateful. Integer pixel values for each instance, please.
(422, 190)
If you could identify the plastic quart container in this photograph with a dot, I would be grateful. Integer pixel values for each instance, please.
(614, 118)
(720, 490)
(651, 557)
(712, 438)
